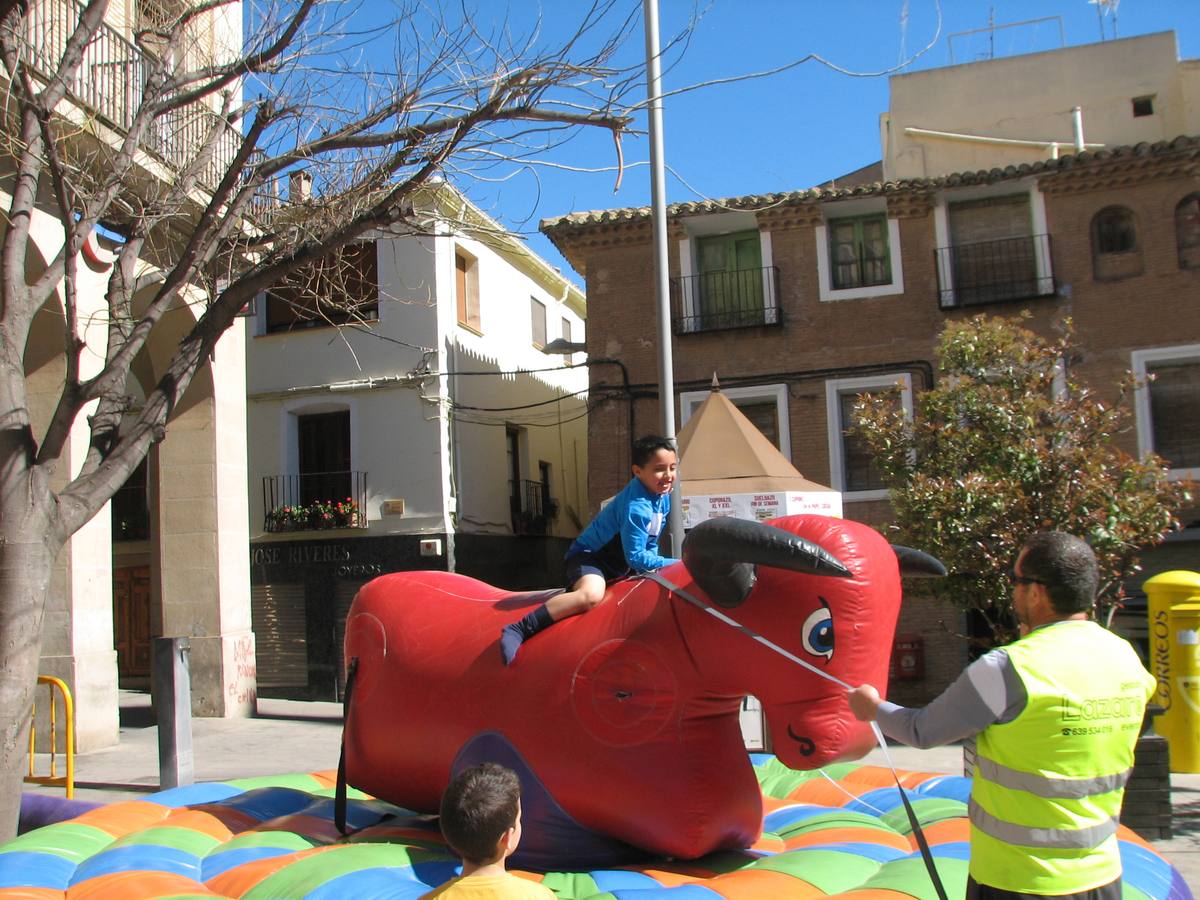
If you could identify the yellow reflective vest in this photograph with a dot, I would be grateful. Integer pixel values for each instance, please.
(1047, 787)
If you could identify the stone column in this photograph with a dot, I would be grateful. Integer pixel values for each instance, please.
(77, 630)
(204, 565)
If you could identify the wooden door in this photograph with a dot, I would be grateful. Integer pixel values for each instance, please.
(131, 620)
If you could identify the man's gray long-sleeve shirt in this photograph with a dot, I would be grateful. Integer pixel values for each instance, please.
(989, 691)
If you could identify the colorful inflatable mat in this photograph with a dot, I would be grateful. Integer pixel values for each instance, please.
(835, 832)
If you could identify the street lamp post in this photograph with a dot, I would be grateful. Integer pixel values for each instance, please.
(658, 215)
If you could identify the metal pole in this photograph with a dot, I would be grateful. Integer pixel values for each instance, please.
(173, 709)
(658, 214)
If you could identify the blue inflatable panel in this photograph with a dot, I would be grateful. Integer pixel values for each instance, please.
(949, 850)
(44, 870)
(781, 818)
(682, 892)
(376, 883)
(194, 794)
(270, 802)
(222, 861)
(138, 858)
(1147, 872)
(951, 787)
(615, 880)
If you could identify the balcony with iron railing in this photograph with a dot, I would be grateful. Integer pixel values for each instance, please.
(109, 84)
(715, 301)
(315, 501)
(533, 509)
(994, 271)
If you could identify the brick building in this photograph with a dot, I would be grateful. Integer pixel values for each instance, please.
(801, 300)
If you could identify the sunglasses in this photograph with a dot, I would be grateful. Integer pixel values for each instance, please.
(1022, 579)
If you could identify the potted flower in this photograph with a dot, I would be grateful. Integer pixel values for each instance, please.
(295, 517)
(347, 513)
(320, 515)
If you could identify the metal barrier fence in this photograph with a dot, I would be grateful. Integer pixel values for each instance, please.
(66, 780)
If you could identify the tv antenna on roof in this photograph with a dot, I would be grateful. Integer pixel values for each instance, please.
(1103, 8)
(992, 28)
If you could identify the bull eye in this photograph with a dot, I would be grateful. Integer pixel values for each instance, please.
(817, 633)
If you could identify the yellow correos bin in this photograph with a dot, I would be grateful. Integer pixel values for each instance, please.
(1185, 686)
(1173, 600)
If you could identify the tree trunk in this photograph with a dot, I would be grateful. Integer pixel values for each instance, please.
(27, 555)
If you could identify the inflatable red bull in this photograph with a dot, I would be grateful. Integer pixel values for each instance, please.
(624, 723)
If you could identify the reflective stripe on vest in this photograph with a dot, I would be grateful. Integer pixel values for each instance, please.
(1044, 785)
(1053, 838)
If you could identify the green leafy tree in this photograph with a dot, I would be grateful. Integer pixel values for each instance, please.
(1011, 442)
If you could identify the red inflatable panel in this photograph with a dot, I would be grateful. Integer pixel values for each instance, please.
(641, 695)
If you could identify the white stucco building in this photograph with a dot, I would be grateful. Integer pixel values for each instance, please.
(432, 416)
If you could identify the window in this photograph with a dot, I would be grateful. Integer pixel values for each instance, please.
(852, 466)
(1143, 106)
(537, 318)
(548, 508)
(858, 252)
(566, 330)
(343, 287)
(1167, 403)
(766, 406)
(1115, 249)
(512, 447)
(131, 507)
(994, 253)
(1187, 231)
(466, 291)
(324, 456)
(729, 288)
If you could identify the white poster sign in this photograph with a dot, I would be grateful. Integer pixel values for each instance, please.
(760, 506)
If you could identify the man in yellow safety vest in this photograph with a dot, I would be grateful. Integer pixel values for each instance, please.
(1055, 715)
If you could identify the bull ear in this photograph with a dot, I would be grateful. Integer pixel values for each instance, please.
(721, 555)
(918, 564)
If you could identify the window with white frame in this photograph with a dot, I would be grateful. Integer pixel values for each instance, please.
(852, 468)
(726, 275)
(1167, 404)
(993, 245)
(766, 406)
(858, 252)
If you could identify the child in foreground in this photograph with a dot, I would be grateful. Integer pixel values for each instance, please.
(622, 540)
(481, 821)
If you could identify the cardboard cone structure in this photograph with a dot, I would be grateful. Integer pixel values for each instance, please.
(729, 468)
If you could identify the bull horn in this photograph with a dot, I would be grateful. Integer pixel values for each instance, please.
(917, 563)
(721, 555)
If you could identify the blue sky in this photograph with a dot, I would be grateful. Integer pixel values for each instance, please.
(801, 127)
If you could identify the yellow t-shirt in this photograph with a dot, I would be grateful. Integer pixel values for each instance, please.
(491, 887)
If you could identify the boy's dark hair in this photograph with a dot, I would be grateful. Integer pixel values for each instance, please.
(1066, 566)
(646, 447)
(478, 806)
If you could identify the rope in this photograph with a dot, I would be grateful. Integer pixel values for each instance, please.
(339, 797)
(918, 833)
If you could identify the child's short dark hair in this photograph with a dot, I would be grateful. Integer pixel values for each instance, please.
(645, 447)
(478, 806)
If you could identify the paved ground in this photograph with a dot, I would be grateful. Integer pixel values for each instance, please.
(293, 736)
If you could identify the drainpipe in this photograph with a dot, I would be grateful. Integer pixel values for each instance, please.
(1077, 125)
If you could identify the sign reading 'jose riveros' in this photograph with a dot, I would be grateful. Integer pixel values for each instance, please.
(760, 506)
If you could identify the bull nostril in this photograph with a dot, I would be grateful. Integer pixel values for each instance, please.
(623, 695)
